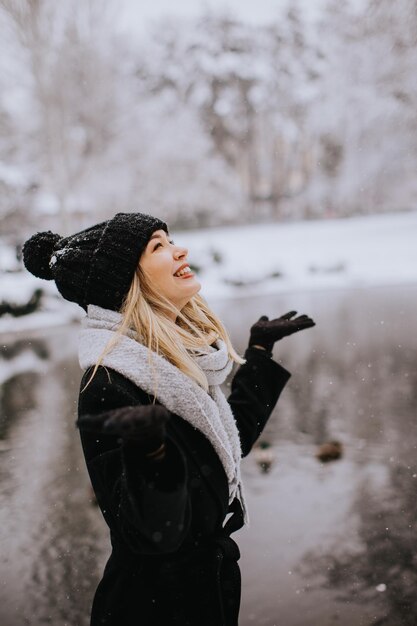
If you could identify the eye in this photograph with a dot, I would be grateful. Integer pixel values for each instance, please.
(171, 241)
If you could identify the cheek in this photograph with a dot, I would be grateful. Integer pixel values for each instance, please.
(161, 272)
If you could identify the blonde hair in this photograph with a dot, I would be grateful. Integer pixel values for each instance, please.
(146, 312)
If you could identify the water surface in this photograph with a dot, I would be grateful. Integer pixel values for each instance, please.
(328, 543)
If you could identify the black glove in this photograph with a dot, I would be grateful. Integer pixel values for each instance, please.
(266, 332)
(145, 425)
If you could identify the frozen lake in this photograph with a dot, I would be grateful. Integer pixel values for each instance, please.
(329, 544)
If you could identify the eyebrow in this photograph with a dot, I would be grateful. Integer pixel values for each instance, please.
(157, 236)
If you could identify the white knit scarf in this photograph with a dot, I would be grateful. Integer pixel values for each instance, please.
(208, 412)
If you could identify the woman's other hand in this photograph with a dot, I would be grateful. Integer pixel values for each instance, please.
(145, 425)
(266, 332)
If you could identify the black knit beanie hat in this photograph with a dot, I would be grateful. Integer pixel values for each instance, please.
(95, 265)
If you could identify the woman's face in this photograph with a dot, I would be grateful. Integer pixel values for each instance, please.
(160, 261)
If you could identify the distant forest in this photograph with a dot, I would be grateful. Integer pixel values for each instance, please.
(206, 121)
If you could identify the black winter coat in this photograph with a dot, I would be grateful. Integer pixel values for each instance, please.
(173, 561)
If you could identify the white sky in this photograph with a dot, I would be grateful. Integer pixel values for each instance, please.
(137, 14)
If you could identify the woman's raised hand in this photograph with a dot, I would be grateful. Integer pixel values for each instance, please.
(266, 332)
(143, 424)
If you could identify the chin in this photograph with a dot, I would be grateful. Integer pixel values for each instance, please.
(193, 286)
(195, 290)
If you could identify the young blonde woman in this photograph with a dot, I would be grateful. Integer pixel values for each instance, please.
(161, 442)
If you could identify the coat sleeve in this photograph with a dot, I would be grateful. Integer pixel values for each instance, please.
(145, 503)
(255, 390)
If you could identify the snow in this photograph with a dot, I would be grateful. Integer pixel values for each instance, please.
(8, 260)
(199, 115)
(18, 287)
(24, 362)
(12, 175)
(135, 17)
(39, 321)
(322, 254)
(348, 252)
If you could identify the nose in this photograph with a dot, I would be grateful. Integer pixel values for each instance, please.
(180, 252)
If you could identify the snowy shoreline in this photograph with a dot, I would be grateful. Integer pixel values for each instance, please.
(257, 260)
(347, 252)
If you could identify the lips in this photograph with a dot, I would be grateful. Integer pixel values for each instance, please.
(183, 271)
(181, 267)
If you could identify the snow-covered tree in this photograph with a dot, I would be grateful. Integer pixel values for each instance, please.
(363, 125)
(249, 85)
(74, 114)
(207, 120)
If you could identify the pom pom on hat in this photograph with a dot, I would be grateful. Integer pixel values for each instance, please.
(37, 252)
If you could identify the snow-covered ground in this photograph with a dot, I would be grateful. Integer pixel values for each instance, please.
(350, 252)
(265, 258)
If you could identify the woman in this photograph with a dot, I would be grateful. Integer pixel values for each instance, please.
(161, 443)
